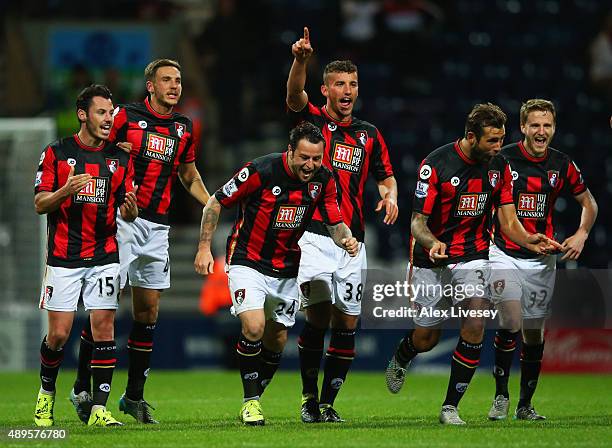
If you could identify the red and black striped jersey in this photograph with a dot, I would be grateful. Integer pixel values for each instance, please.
(159, 144)
(352, 150)
(82, 231)
(274, 208)
(538, 182)
(458, 195)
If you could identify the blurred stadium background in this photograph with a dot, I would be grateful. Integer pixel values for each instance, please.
(422, 65)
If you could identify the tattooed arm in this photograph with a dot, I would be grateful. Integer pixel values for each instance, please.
(204, 260)
(423, 236)
(343, 238)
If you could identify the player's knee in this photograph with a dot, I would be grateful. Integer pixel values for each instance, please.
(344, 321)
(424, 340)
(253, 331)
(473, 330)
(510, 323)
(104, 331)
(533, 336)
(147, 315)
(57, 337)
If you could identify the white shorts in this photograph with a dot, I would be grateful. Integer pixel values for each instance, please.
(251, 290)
(328, 273)
(143, 253)
(438, 289)
(98, 285)
(530, 280)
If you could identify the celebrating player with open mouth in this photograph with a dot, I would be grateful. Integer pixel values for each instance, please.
(522, 284)
(458, 187)
(81, 183)
(277, 196)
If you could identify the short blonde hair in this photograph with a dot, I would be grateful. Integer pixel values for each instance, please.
(151, 69)
(537, 104)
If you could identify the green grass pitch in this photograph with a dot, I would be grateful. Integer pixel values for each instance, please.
(200, 408)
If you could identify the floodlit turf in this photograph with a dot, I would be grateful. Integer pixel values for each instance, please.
(200, 408)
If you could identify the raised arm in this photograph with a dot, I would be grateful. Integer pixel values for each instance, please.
(297, 98)
(193, 183)
(573, 245)
(421, 233)
(204, 260)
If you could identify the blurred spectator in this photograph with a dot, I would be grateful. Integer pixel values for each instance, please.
(225, 49)
(359, 24)
(406, 29)
(601, 60)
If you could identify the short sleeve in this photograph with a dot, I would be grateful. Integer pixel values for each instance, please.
(328, 207)
(46, 175)
(380, 164)
(245, 182)
(575, 181)
(426, 190)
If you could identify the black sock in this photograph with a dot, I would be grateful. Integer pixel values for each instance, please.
(249, 360)
(531, 362)
(140, 347)
(338, 359)
(505, 345)
(103, 363)
(405, 350)
(310, 346)
(270, 361)
(465, 360)
(50, 361)
(83, 379)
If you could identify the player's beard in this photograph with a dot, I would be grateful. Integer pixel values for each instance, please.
(482, 156)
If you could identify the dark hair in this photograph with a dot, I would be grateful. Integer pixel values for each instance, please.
(151, 69)
(539, 105)
(83, 101)
(305, 130)
(482, 116)
(338, 67)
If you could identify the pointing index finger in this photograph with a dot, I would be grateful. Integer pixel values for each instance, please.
(306, 34)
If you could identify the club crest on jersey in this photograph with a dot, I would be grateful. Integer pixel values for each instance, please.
(362, 136)
(239, 296)
(494, 177)
(332, 126)
(498, 286)
(553, 177)
(276, 190)
(71, 162)
(112, 165)
(314, 189)
(142, 124)
(48, 294)
(94, 192)
(455, 181)
(180, 129)
(471, 204)
(531, 205)
(347, 157)
(290, 216)
(160, 147)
